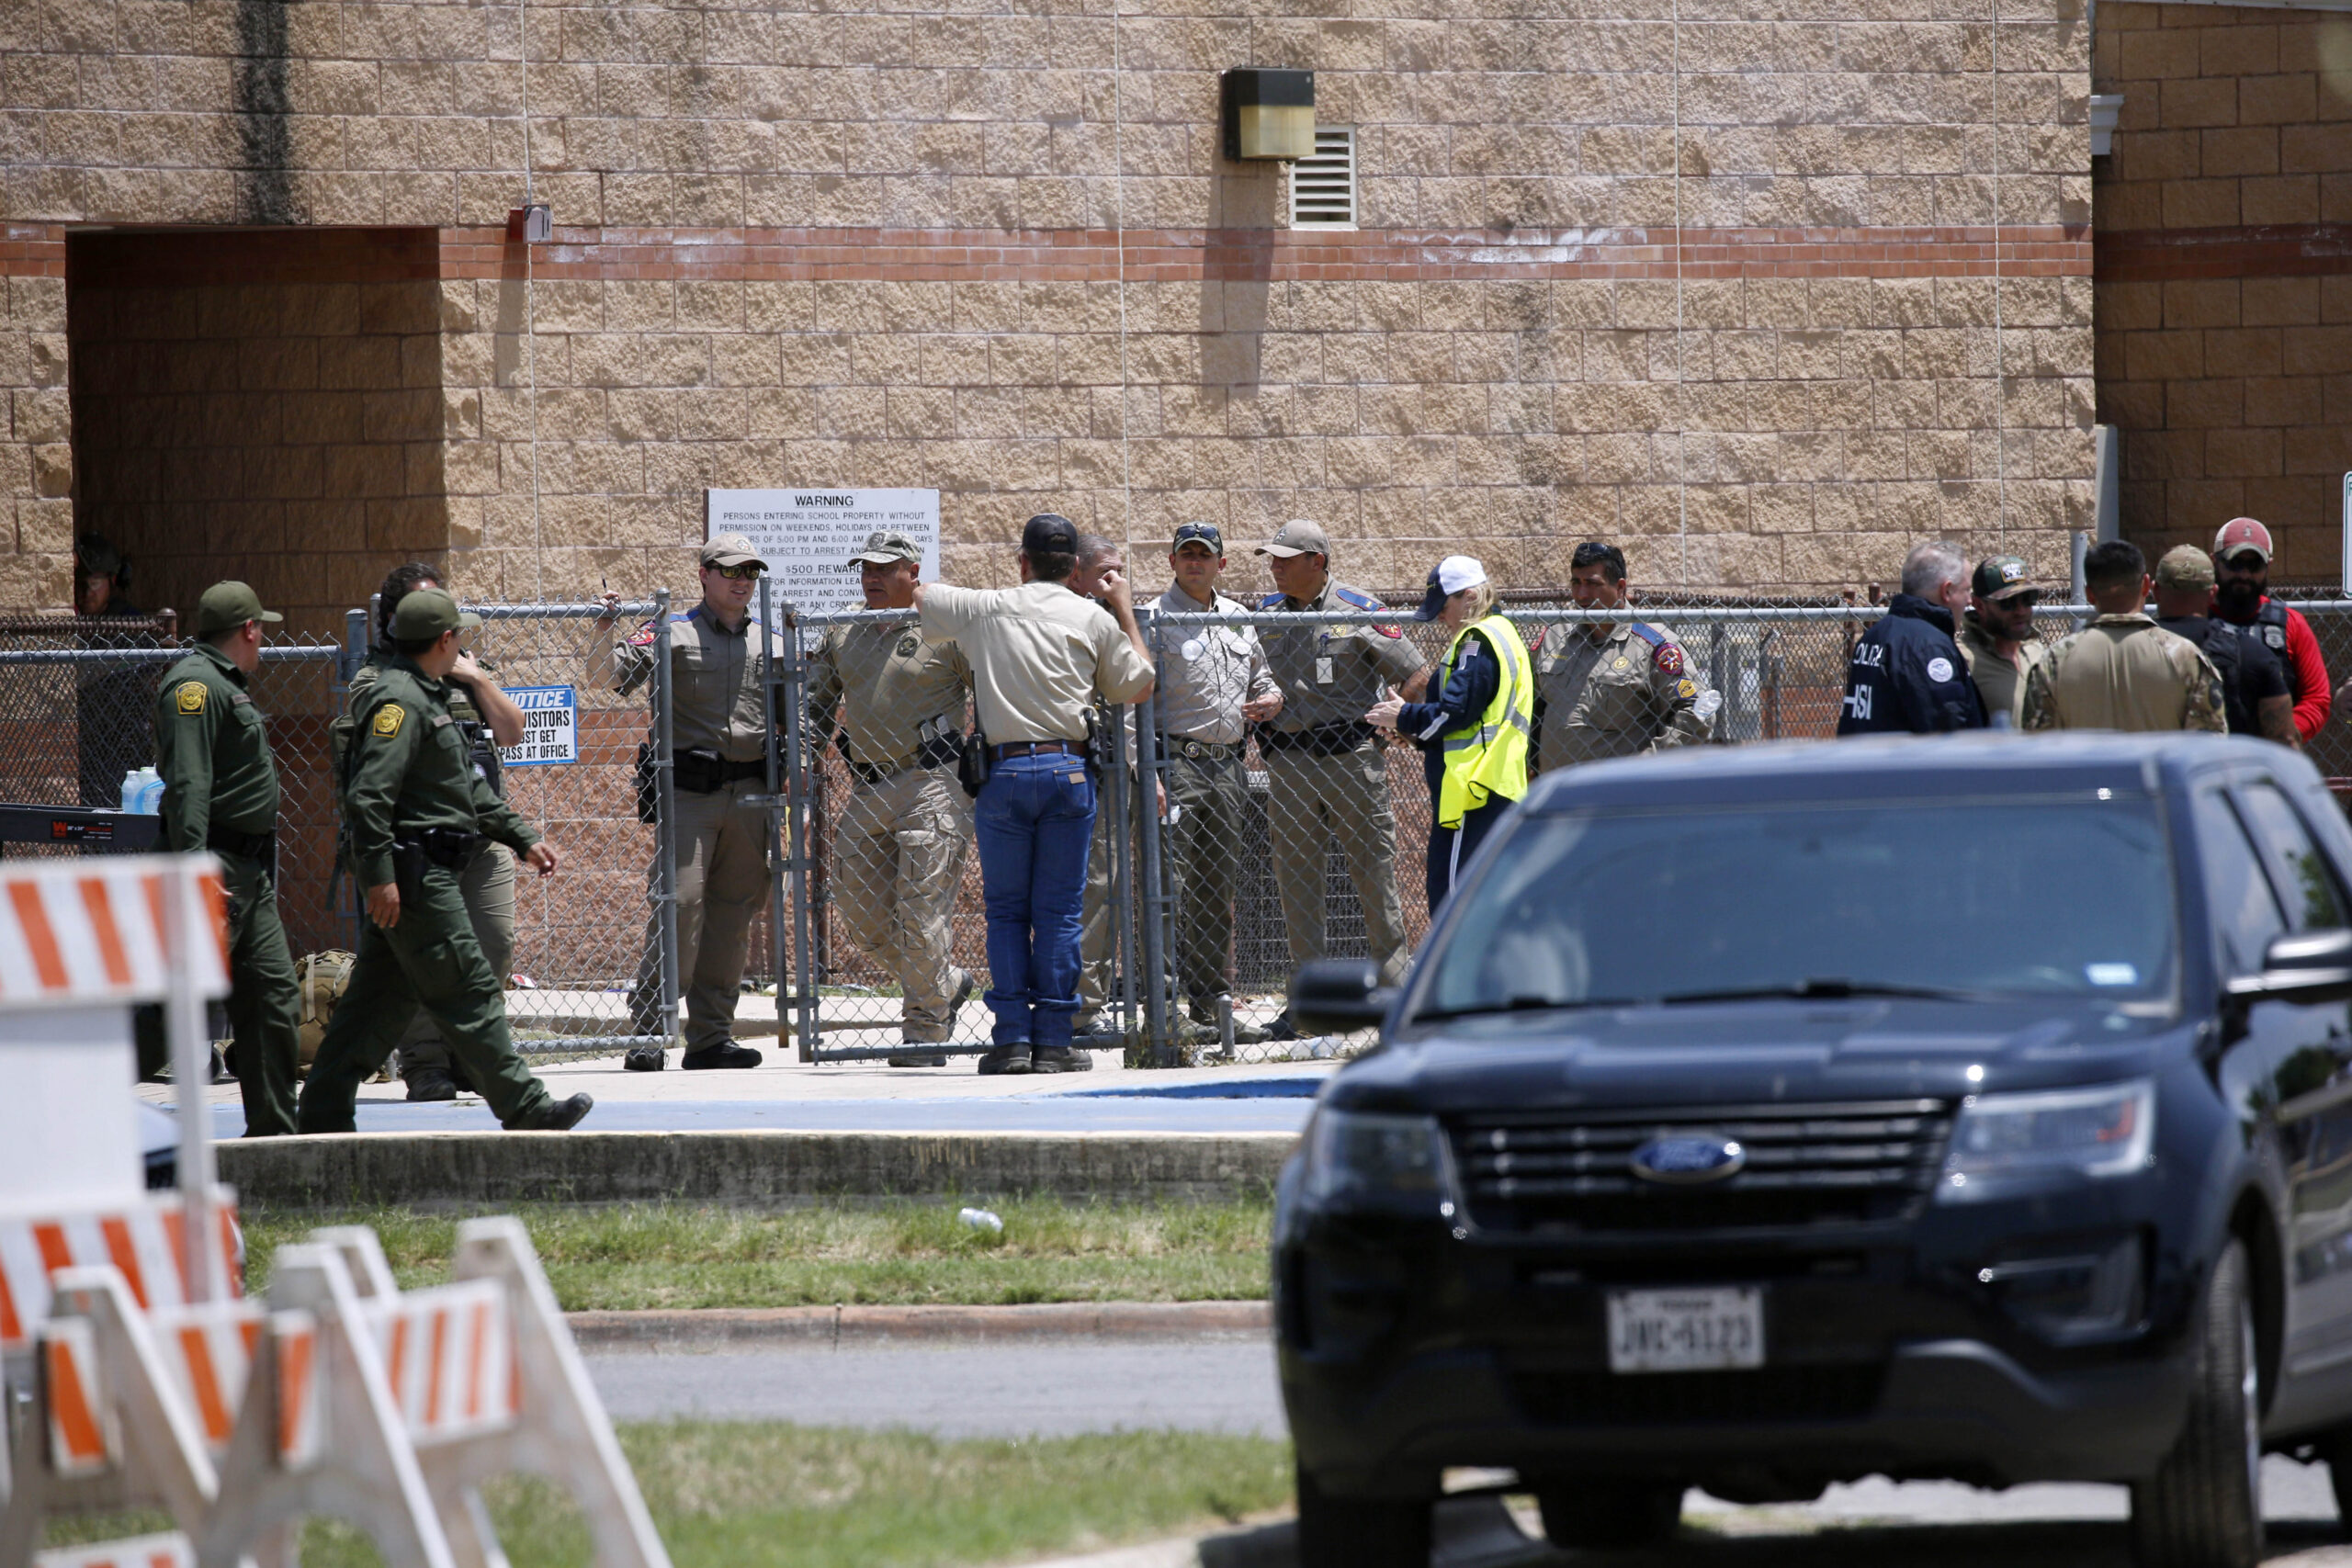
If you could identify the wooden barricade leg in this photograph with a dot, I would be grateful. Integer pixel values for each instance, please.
(561, 1431)
(364, 1469)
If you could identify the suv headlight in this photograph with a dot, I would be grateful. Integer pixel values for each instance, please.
(2002, 1138)
(1376, 1160)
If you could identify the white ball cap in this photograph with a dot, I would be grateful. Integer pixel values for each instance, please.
(1455, 573)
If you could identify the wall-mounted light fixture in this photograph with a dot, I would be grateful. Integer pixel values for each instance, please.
(1269, 114)
(532, 225)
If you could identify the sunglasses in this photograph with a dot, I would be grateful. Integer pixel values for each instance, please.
(735, 573)
(2025, 601)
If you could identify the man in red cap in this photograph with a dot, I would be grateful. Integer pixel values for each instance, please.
(2242, 553)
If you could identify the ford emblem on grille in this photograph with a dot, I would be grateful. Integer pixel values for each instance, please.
(1687, 1160)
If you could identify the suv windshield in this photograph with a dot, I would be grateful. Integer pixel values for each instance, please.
(2038, 898)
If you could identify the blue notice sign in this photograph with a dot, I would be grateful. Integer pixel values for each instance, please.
(550, 726)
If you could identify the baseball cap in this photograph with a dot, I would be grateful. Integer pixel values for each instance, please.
(2001, 577)
(226, 604)
(727, 549)
(2243, 533)
(97, 556)
(885, 545)
(1047, 534)
(1447, 578)
(1203, 533)
(428, 611)
(2184, 565)
(1297, 537)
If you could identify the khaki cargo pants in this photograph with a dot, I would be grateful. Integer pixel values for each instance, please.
(723, 878)
(898, 859)
(1311, 800)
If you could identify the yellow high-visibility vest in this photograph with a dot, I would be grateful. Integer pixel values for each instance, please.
(1487, 760)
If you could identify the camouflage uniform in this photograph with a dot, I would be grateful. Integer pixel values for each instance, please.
(1326, 777)
(900, 841)
(1631, 689)
(2124, 672)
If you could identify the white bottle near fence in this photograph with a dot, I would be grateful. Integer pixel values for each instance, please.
(149, 799)
(130, 782)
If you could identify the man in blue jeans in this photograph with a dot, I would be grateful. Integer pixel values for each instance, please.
(1039, 654)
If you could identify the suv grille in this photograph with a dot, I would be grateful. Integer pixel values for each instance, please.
(1808, 1165)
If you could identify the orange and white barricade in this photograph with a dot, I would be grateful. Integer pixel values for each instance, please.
(146, 1551)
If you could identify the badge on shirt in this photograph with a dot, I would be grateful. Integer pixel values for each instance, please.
(1324, 673)
(1191, 649)
(190, 696)
(2274, 636)
(1620, 663)
(909, 644)
(388, 720)
(1939, 670)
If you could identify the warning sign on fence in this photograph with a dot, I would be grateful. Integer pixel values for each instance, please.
(806, 534)
(550, 726)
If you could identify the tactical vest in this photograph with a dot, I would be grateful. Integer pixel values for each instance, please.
(1487, 759)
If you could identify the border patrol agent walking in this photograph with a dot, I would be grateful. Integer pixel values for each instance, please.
(899, 846)
(415, 810)
(489, 719)
(220, 793)
(1326, 776)
(1611, 689)
(718, 728)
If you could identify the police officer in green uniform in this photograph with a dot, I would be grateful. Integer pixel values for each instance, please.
(415, 811)
(490, 720)
(220, 793)
(1325, 774)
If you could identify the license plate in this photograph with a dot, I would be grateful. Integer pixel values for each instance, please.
(1685, 1331)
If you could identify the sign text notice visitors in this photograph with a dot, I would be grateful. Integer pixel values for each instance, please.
(805, 533)
(550, 726)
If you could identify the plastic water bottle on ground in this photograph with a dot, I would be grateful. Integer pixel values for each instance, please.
(981, 1219)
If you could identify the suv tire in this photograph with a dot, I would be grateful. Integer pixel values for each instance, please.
(1609, 1516)
(1360, 1533)
(2204, 1506)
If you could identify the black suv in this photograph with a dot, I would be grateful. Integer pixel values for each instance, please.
(1755, 1119)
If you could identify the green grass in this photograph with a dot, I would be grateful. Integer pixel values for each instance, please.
(901, 1252)
(756, 1495)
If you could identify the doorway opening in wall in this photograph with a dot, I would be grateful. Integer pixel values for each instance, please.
(1323, 187)
(259, 404)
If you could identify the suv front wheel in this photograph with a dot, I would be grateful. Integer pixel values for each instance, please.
(2204, 1506)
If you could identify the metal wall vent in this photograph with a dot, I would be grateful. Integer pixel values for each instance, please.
(1323, 188)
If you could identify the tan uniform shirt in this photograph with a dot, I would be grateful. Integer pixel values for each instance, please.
(1998, 681)
(2124, 672)
(1331, 674)
(888, 683)
(1631, 691)
(1207, 672)
(716, 675)
(1039, 655)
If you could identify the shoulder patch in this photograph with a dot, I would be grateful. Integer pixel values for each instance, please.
(1271, 602)
(388, 720)
(1686, 689)
(1667, 657)
(1361, 601)
(643, 637)
(190, 696)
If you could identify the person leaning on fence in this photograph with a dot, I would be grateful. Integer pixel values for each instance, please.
(2255, 696)
(1214, 684)
(2242, 558)
(1325, 775)
(1473, 734)
(899, 845)
(414, 810)
(488, 719)
(1906, 676)
(1997, 640)
(220, 793)
(2122, 671)
(1040, 655)
(718, 752)
(1613, 688)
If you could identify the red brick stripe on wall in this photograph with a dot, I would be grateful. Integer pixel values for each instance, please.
(32, 250)
(1268, 255)
(2154, 256)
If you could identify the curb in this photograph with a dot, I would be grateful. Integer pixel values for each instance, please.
(367, 1169)
(834, 1327)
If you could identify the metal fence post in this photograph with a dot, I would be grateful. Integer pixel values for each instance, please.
(665, 830)
(354, 644)
(799, 843)
(1154, 948)
(1118, 810)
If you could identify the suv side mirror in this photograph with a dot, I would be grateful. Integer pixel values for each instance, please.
(2309, 967)
(1334, 996)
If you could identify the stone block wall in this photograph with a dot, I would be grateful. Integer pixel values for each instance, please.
(1766, 293)
(2225, 291)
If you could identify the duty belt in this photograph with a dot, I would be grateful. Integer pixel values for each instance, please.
(930, 754)
(1205, 751)
(261, 846)
(1320, 740)
(1037, 749)
(702, 772)
(450, 848)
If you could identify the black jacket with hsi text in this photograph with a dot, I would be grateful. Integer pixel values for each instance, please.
(1907, 677)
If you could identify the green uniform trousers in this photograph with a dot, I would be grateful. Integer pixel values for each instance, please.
(1210, 796)
(429, 959)
(487, 884)
(264, 1010)
(723, 849)
(898, 861)
(1312, 800)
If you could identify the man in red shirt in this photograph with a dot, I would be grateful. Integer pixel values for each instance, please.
(2242, 554)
